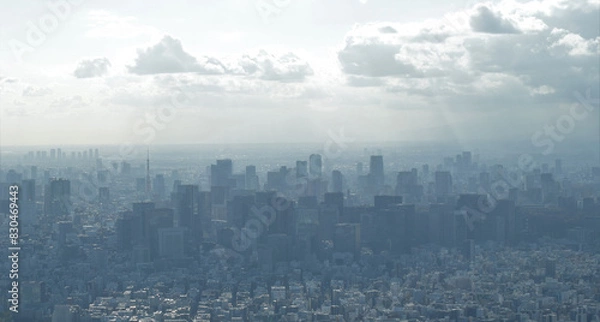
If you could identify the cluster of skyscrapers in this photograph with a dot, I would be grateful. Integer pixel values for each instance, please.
(265, 228)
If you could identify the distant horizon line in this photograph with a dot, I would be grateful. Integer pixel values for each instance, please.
(353, 142)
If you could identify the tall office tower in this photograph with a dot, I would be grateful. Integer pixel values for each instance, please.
(139, 222)
(337, 181)
(27, 204)
(13, 177)
(148, 183)
(238, 210)
(171, 242)
(185, 201)
(160, 188)
(96, 154)
(52, 154)
(34, 172)
(443, 183)
(251, 178)
(315, 165)
(301, 169)
(346, 239)
(27, 191)
(220, 173)
(91, 153)
(73, 155)
(376, 174)
(336, 199)
(59, 153)
(405, 181)
(57, 197)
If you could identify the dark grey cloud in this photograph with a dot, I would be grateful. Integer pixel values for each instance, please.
(485, 20)
(92, 68)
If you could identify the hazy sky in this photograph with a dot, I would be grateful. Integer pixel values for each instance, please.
(106, 72)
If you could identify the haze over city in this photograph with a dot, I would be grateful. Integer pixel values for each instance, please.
(300, 160)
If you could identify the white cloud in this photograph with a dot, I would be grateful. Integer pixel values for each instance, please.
(89, 68)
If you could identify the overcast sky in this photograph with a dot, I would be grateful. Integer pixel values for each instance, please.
(105, 72)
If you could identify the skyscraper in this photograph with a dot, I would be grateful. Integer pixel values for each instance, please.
(221, 172)
(301, 169)
(443, 183)
(251, 178)
(185, 200)
(57, 197)
(148, 183)
(376, 174)
(337, 181)
(315, 165)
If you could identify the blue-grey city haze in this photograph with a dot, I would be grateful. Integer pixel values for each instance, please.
(300, 160)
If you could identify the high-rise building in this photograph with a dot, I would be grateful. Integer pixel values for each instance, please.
(335, 199)
(171, 242)
(160, 187)
(315, 165)
(251, 178)
(346, 239)
(443, 183)
(57, 197)
(34, 172)
(376, 173)
(148, 183)
(337, 181)
(221, 172)
(301, 169)
(185, 201)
